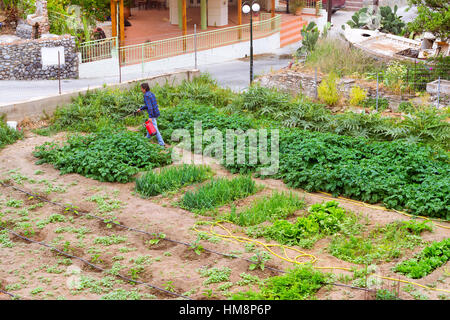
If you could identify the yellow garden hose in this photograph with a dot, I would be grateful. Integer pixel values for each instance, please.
(312, 259)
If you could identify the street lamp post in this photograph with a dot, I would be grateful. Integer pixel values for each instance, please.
(250, 7)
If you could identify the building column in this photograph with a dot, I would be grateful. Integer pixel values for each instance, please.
(272, 9)
(180, 13)
(203, 14)
(113, 18)
(173, 11)
(239, 16)
(184, 18)
(121, 24)
(239, 11)
(217, 13)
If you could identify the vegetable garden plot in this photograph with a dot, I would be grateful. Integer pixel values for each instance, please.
(170, 256)
(104, 155)
(401, 175)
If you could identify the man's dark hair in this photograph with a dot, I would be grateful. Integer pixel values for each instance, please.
(145, 86)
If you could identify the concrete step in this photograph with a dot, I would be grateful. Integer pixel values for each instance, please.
(290, 31)
(290, 40)
(354, 3)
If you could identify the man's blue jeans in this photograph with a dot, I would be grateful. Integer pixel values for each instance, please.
(158, 135)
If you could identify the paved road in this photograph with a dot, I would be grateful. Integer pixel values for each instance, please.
(234, 74)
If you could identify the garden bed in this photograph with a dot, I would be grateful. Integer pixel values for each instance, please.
(39, 273)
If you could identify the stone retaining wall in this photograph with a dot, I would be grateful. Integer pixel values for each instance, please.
(296, 82)
(37, 59)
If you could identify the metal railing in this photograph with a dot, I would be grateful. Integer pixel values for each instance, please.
(155, 50)
(97, 49)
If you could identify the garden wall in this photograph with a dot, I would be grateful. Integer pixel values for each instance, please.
(37, 59)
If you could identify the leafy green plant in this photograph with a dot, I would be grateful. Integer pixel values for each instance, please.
(327, 91)
(300, 283)
(215, 275)
(196, 247)
(323, 219)
(105, 155)
(259, 259)
(170, 179)
(109, 240)
(156, 240)
(7, 134)
(395, 75)
(425, 262)
(416, 227)
(384, 294)
(381, 244)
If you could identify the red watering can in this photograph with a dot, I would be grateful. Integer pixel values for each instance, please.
(150, 128)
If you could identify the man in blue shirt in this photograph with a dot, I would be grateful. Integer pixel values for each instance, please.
(152, 108)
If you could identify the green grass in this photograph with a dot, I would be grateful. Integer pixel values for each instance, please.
(171, 179)
(334, 55)
(218, 192)
(268, 208)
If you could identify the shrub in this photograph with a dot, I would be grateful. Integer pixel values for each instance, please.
(105, 155)
(357, 96)
(394, 76)
(169, 179)
(327, 91)
(267, 102)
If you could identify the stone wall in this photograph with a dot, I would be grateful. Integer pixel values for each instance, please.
(24, 30)
(37, 59)
(296, 82)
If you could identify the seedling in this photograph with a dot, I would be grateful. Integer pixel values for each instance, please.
(158, 238)
(169, 287)
(198, 249)
(259, 260)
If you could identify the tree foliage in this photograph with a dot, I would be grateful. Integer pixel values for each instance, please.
(433, 16)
